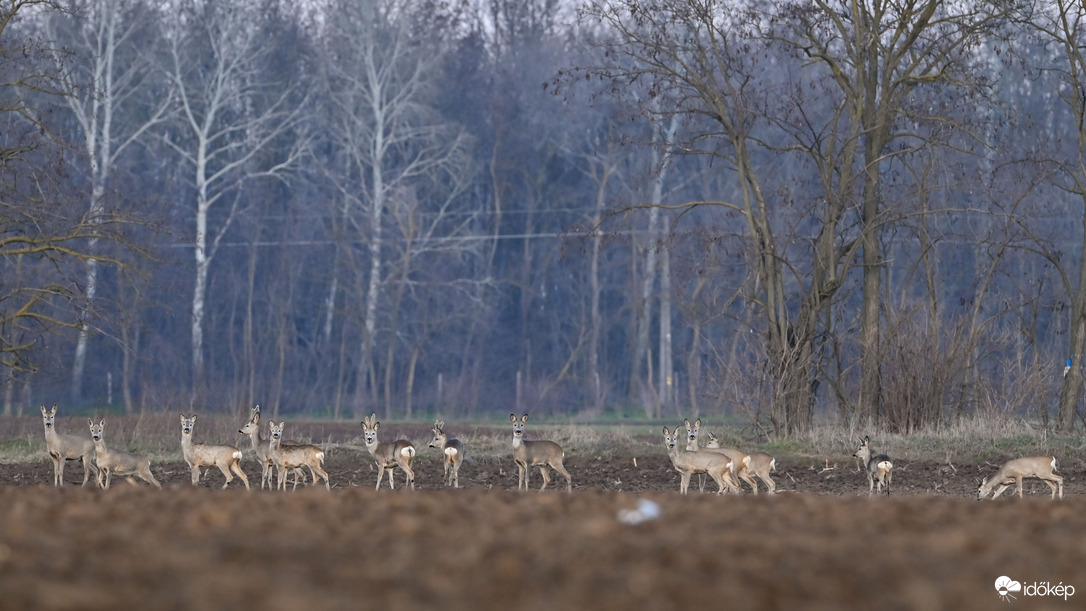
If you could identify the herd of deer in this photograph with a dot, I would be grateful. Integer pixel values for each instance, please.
(726, 466)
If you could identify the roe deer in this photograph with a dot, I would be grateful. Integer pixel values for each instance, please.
(389, 455)
(453, 450)
(117, 462)
(197, 455)
(761, 464)
(878, 467)
(63, 448)
(528, 454)
(740, 460)
(260, 449)
(287, 458)
(718, 466)
(1015, 471)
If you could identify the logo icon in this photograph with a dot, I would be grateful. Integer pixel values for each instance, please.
(1005, 585)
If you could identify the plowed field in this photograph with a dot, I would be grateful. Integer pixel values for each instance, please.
(820, 543)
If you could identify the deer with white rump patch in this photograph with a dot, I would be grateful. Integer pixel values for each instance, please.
(761, 464)
(528, 454)
(197, 455)
(877, 466)
(740, 459)
(287, 458)
(718, 466)
(399, 453)
(116, 462)
(453, 450)
(260, 449)
(1015, 471)
(63, 448)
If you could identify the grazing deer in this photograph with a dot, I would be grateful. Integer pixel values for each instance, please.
(260, 449)
(718, 466)
(63, 448)
(740, 460)
(287, 458)
(453, 450)
(123, 464)
(1015, 471)
(197, 455)
(399, 453)
(878, 467)
(528, 454)
(761, 464)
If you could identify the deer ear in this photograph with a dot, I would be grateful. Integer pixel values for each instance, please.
(524, 418)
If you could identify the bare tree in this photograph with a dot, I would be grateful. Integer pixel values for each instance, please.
(1063, 23)
(111, 81)
(233, 117)
(880, 55)
(44, 236)
(398, 170)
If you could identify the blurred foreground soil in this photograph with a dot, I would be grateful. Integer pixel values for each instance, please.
(819, 544)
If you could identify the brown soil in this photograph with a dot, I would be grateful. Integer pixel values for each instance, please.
(820, 543)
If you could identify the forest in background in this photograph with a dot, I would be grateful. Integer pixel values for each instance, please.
(870, 211)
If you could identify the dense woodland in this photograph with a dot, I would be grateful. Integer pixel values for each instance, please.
(868, 211)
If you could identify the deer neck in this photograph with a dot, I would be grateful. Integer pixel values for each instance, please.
(186, 444)
(256, 439)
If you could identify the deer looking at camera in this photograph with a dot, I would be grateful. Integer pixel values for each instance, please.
(687, 463)
(63, 448)
(528, 454)
(399, 453)
(261, 450)
(116, 462)
(291, 458)
(740, 459)
(197, 455)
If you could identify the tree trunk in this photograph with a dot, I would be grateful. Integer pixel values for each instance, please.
(667, 372)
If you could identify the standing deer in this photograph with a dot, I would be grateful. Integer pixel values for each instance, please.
(399, 453)
(260, 449)
(117, 462)
(528, 454)
(287, 458)
(63, 448)
(761, 464)
(740, 460)
(453, 450)
(878, 467)
(197, 455)
(1015, 471)
(718, 466)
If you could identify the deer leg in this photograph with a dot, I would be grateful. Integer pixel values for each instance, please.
(58, 470)
(559, 467)
(546, 477)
